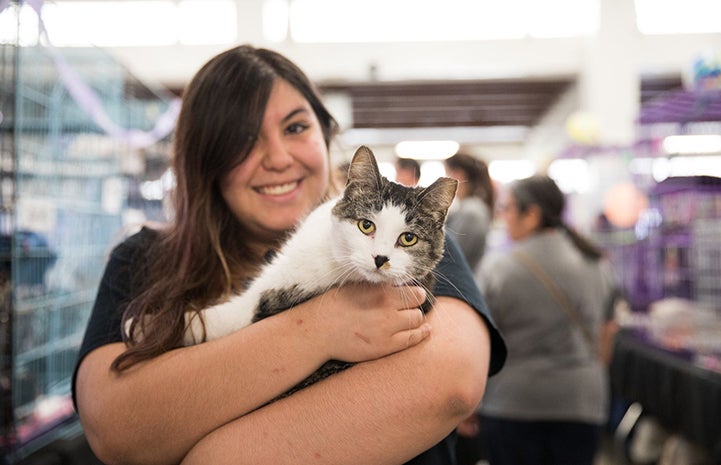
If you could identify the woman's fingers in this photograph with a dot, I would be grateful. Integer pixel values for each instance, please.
(413, 336)
(410, 318)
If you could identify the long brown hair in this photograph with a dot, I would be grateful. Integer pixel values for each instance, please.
(477, 176)
(543, 191)
(202, 256)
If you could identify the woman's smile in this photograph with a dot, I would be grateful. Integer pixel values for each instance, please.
(278, 189)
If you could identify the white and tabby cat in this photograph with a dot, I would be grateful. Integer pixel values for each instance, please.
(377, 231)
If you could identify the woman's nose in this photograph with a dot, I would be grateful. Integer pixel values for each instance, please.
(276, 156)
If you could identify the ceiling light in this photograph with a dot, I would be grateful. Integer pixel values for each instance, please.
(693, 144)
(505, 171)
(427, 149)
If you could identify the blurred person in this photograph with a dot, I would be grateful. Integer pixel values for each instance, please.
(469, 221)
(251, 160)
(340, 173)
(548, 293)
(408, 171)
(470, 217)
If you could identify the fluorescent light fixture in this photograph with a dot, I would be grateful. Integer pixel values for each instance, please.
(505, 171)
(275, 20)
(450, 20)
(427, 149)
(692, 144)
(695, 166)
(675, 17)
(111, 23)
(207, 22)
(19, 24)
(571, 174)
(132, 23)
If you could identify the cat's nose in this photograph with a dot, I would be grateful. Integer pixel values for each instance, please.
(380, 261)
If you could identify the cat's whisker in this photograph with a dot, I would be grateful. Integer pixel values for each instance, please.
(343, 272)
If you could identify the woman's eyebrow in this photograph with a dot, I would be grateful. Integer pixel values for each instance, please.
(293, 113)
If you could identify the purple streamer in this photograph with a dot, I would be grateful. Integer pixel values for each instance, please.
(90, 103)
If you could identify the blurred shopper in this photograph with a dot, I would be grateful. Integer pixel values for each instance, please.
(340, 172)
(408, 171)
(469, 219)
(548, 293)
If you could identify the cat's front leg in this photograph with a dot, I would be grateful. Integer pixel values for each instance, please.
(278, 300)
(218, 321)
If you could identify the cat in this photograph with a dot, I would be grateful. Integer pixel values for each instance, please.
(377, 231)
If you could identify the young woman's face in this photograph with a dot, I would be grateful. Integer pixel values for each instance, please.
(286, 173)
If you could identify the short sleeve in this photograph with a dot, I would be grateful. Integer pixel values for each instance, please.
(114, 293)
(455, 279)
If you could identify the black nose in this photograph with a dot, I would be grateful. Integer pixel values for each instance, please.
(380, 260)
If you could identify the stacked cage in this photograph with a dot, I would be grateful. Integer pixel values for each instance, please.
(684, 248)
(64, 190)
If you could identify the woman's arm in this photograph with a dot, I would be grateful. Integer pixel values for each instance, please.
(381, 412)
(154, 412)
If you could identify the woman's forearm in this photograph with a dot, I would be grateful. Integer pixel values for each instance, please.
(154, 412)
(381, 412)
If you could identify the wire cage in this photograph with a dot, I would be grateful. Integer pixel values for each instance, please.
(674, 251)
(64, 185)
(686, 241)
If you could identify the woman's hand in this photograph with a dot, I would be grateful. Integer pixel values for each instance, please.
(360, 322)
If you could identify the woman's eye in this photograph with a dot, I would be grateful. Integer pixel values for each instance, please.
(296, 128)
(407, 239)
(367, 227)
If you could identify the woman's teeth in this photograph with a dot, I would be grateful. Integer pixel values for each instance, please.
(278, 189)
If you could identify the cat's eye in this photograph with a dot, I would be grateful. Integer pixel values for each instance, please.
(407, 239)
(367, 227)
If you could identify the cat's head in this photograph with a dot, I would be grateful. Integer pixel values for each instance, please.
(388, 232)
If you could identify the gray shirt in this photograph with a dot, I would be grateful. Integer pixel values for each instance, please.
(468, 222)
(552, 372)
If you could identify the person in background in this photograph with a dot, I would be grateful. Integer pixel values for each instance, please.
(341, 173)
(251, 159)
(548, 294)
(469, 219)
(408, 171)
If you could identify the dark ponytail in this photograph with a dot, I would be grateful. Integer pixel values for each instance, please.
(543, 191)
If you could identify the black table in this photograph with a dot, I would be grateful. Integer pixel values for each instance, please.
(683, 397)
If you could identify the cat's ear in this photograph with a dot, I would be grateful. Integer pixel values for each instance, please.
(439, 195)
(363, 171)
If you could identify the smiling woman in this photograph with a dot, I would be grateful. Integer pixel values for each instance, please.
(251, 160)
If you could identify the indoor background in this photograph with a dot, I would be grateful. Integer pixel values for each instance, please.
(594, 92)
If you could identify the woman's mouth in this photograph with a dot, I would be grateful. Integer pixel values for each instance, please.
(277, 189)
